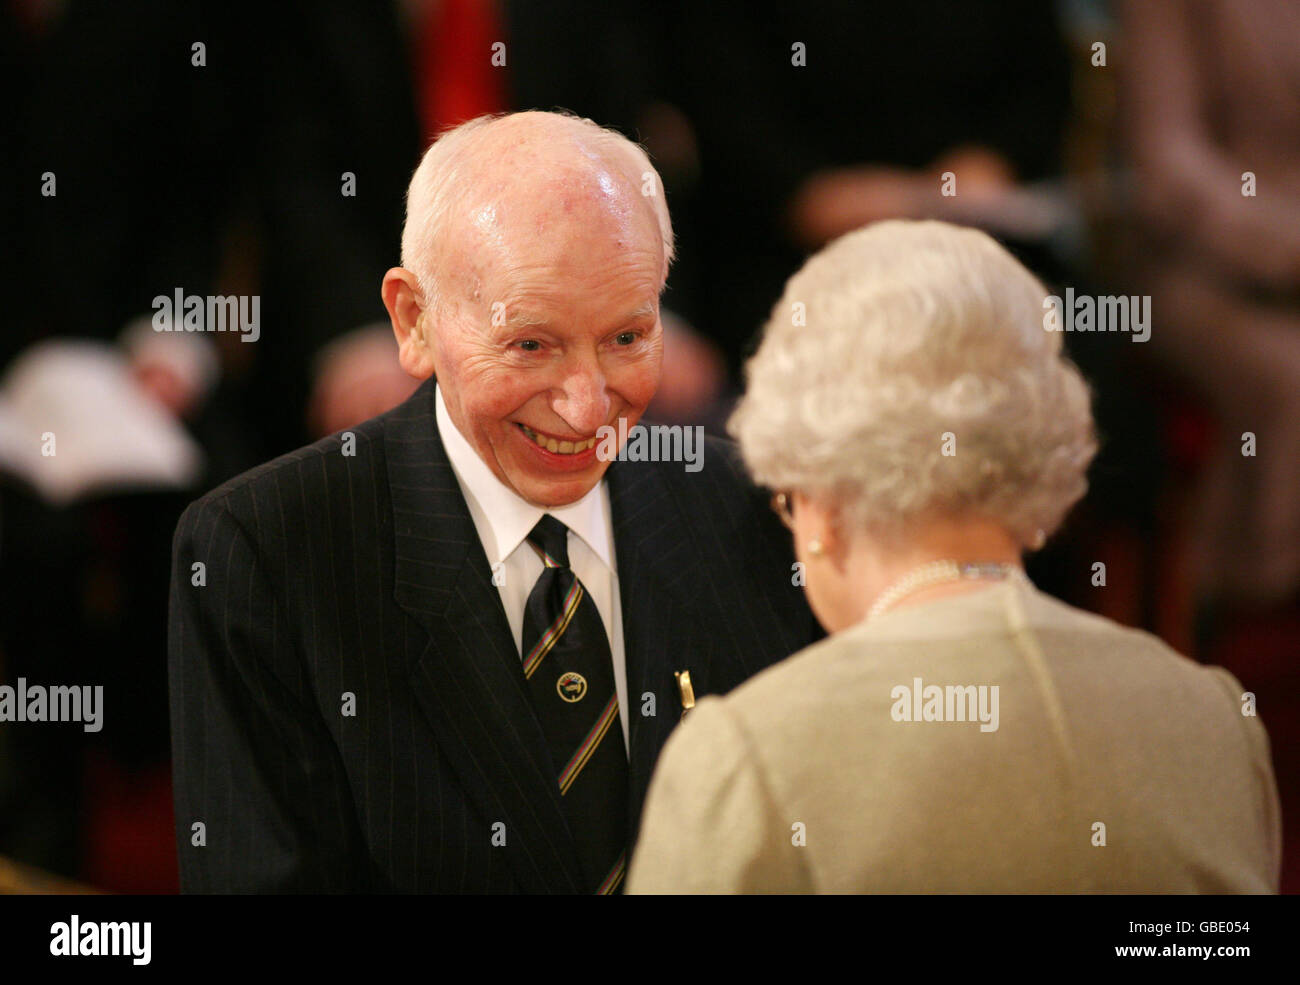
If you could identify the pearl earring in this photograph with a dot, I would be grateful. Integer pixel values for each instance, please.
(815, 548)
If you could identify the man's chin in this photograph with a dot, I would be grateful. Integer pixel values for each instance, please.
(555, 491)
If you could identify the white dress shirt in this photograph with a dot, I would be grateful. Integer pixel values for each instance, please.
(503, 520)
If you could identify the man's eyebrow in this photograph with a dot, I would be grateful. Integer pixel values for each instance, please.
(647, 310)
(523, 318)
(517, 318)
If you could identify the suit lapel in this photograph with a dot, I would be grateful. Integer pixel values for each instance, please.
(468, 680)
(659, 573)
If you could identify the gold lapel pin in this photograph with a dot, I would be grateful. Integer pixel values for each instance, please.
(688, 692)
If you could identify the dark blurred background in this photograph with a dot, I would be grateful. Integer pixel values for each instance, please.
(263, 149)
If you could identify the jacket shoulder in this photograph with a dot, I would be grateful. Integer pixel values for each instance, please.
(315, 466)
(719, 467)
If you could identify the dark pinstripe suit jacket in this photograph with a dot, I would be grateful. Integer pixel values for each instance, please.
(327, 575)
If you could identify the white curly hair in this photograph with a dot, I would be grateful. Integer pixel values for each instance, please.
(906, 372)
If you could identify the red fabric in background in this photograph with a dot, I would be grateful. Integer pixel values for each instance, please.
(455, 78)
(130, 842)
(1259, 649)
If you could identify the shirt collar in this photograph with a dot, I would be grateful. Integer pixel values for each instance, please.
(507, 516)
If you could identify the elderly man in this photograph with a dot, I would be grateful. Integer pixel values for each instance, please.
(441, 652)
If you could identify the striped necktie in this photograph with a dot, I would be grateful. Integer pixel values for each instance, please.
(570, 676)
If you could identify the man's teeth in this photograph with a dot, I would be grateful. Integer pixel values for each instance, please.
(558, 447)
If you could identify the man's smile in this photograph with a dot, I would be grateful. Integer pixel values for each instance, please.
(555, 444)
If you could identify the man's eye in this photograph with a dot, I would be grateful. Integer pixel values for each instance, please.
(625, 338)
(530, 345)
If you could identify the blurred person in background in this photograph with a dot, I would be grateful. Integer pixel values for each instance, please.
(1210, 101)
(925, 430)
(819, 118)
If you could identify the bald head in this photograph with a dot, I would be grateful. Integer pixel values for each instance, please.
(498, 185)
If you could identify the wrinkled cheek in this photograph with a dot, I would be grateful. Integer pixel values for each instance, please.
(497, 397)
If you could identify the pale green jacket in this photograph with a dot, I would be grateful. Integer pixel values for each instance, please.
(1116, 765)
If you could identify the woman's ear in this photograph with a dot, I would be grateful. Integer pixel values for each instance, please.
(818, 530)
(405, 304)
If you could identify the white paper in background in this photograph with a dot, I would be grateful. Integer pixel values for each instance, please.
(109, 436)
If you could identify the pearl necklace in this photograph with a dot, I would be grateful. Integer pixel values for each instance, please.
(937, 573)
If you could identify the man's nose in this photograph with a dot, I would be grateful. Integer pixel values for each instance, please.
(584, 401)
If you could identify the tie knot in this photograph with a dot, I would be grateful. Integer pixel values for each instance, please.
(551, 537)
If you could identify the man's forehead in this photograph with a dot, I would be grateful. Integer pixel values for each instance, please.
(576, 262)
(516, 251)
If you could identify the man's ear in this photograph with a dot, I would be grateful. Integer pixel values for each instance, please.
(402, 298)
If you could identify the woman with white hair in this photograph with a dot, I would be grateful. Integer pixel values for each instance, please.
(958, 731)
